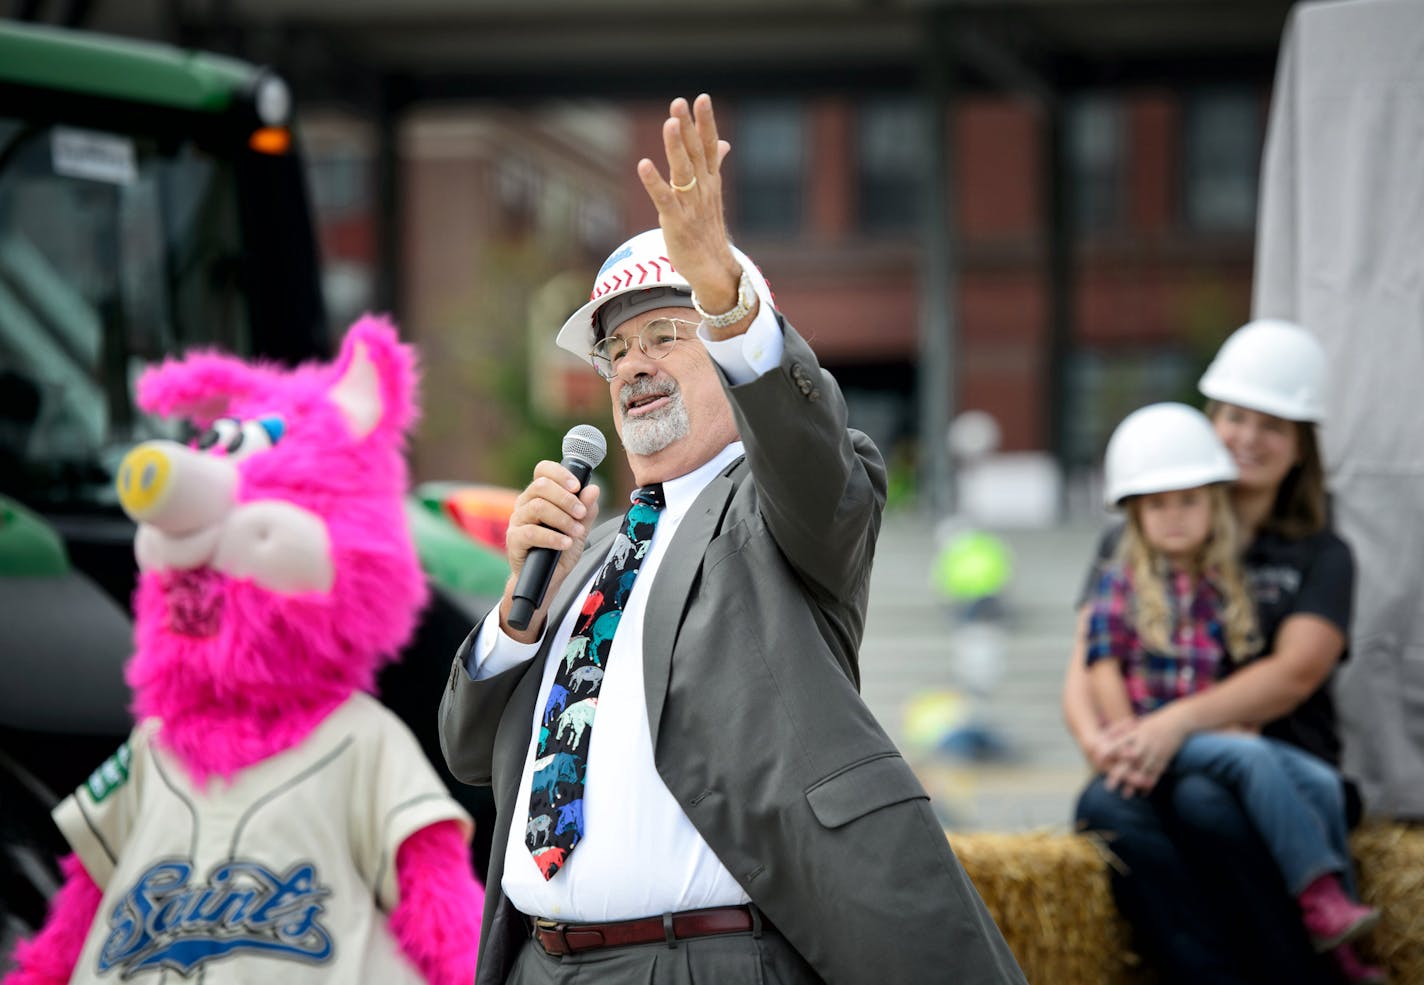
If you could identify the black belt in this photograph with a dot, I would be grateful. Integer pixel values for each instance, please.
(571, 938)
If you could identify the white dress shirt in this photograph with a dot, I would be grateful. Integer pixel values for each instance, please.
(640, 855)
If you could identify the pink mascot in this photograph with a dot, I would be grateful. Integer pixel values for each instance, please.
(267, 820)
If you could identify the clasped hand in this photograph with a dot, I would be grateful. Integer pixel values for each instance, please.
(1133, 752)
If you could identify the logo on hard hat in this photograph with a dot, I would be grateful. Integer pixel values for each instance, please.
(613, 258)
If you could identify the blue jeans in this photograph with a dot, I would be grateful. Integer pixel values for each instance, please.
(1203, 896)
(1294, 800)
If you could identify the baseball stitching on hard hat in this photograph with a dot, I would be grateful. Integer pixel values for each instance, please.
(624, 277)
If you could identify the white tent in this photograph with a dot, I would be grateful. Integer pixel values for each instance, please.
(1340, 250)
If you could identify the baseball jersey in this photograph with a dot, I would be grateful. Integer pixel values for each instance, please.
(280, 875)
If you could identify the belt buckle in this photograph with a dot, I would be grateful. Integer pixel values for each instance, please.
(559, 930)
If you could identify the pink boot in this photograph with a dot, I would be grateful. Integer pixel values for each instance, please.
(1331, 917)
(1353, 968)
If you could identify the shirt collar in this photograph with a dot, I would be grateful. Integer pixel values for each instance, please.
(680, 492)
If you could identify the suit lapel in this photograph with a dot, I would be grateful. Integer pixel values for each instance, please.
(668, 597)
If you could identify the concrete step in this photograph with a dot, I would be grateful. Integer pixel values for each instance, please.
(911, 645)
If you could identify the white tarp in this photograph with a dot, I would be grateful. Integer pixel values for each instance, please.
(1340, 249)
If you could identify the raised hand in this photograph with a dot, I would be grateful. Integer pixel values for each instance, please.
(689, 203)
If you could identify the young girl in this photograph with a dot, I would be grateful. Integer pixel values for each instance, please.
(1166, 618)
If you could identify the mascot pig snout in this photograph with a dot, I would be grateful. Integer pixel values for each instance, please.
(185, 502)
(174, 488)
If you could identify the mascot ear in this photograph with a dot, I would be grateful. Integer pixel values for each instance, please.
(375, 380)
(200, 386)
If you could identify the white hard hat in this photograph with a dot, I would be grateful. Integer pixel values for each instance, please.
(1272, 366)
(1161, 448)
(638, 265)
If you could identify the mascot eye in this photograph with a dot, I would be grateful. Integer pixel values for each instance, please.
(223, 432)
(239, 439)
(255, 436)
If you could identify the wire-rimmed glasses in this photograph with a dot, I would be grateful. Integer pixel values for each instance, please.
(656, 339)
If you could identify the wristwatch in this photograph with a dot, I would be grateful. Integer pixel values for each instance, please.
(746, 298)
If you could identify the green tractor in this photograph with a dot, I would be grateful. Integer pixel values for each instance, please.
(151, 200)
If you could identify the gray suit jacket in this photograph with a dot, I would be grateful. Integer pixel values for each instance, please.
(751, 670)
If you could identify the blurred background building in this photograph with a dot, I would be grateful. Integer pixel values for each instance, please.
(1042, 210)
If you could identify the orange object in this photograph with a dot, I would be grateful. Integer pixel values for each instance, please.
(482, 512)
(271, 140)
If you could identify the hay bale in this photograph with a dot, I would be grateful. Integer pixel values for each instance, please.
(1390, 858)
(1049, 895)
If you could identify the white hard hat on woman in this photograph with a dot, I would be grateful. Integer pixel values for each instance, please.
(1162, 448)
(1271, 366)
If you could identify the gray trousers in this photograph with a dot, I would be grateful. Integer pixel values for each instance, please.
(726, 959)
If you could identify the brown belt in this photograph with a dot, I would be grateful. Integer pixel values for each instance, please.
(571, 938)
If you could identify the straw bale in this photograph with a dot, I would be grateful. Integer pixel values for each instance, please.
(1050, 896)
(1391, 867)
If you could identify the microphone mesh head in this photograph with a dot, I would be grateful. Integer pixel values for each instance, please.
(586, 443)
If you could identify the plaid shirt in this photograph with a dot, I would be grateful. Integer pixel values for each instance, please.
(1153, 679)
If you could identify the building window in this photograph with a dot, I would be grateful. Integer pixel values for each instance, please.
(1097, 162)
(339, 178)
(891, 148)
(1222, 144)
(770, 139)
(1104, 386)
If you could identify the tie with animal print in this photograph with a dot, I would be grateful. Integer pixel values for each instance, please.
(566, 731)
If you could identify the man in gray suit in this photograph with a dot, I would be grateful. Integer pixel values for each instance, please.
(740, 816)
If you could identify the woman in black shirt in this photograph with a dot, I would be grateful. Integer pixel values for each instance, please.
(1198, 887)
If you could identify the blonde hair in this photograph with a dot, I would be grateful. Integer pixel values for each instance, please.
(1217, 561)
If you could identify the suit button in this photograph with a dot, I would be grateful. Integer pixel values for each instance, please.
(804, 383)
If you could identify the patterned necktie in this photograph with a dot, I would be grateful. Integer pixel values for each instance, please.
(556, 794)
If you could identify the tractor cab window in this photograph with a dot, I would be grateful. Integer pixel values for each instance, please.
(115, 249)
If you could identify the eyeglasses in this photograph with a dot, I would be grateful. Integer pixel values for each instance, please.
(656, 339)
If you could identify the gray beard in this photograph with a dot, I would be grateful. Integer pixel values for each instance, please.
(651, 433)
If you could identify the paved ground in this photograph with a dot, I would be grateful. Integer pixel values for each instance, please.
(913, 645)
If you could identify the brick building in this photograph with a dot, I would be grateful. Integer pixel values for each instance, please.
(1161, 201)
(823, 192)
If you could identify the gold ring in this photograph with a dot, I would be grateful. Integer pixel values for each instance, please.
(685, 188)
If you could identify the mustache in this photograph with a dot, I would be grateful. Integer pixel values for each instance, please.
(646, 387)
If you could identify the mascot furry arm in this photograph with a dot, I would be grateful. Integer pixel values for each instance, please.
(276, 576)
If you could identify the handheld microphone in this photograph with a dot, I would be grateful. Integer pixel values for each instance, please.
(584, 448)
